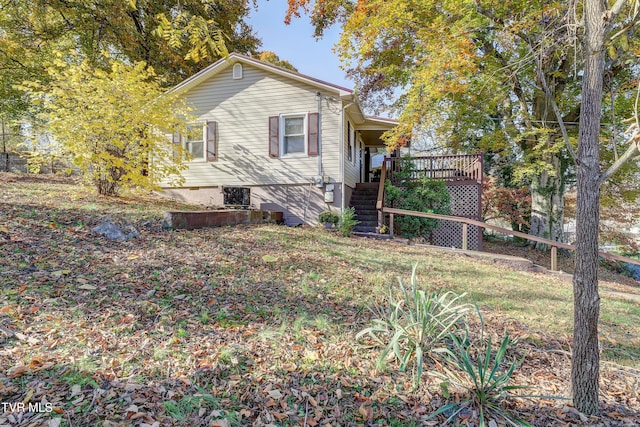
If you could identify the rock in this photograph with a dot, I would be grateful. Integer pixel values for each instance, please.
(112, 231)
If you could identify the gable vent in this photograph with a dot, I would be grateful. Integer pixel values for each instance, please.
(237, 71)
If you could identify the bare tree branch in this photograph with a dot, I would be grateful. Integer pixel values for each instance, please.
(634, 146)
(615, 10)
(626, 156)
(556, 110)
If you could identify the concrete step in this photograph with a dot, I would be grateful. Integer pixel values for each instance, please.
(367, 185)
(368, 218)
(372, 235)
(363, 197)
(364, 229)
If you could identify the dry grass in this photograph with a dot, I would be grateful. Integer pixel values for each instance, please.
(185, 327)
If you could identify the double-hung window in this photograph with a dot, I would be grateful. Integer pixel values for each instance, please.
(294, 133)
(194, 142)
(200, 141)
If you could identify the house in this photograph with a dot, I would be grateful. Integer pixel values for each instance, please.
(272, 139)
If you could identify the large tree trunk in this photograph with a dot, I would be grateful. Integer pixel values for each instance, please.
(547, 204)
(586, 357)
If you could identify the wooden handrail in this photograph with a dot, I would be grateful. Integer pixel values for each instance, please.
(383, 173)
(481, 224)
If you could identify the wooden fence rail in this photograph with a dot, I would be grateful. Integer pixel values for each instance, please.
(468, 221)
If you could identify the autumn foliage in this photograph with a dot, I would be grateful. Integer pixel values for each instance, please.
(114, 124)
(512, 205)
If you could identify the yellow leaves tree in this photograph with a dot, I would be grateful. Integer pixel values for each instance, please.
(272, 58)
(114, 124)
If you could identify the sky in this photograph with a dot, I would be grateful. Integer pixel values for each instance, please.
(295, 42)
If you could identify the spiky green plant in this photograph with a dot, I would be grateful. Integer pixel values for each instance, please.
(485, 376)
(417, 326)
(347, 221)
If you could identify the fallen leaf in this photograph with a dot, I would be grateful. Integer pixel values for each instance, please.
(275, 394)
(365, 411)
(87, 287)
(54, 422)
(279, 416)
(28, 397)
(269, 258)
(220, 423)
(76, 390)
(60, 273)
(313, 402)
(17, 371)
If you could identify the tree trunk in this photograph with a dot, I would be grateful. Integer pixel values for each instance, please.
(586, 358)
(547, 204)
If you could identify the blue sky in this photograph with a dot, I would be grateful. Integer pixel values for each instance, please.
(296, 44)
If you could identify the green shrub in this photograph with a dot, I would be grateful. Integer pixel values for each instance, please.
(347, 221)
(328, 217)
(420, 194)
(416, 326)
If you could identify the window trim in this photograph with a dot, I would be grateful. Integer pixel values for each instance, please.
(237, 72)
(305, 135)
(203, 131)
(350, 142)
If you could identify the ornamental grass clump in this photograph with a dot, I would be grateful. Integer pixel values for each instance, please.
(347, 221)
(486, 377)
(415, 325)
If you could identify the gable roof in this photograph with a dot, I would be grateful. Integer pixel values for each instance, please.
(234, 58)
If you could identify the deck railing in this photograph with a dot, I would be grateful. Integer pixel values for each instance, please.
(468, 221)
(462, 167)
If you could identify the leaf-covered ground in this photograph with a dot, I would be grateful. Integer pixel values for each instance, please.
(254, 325)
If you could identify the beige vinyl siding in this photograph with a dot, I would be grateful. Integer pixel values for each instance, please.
(351, 167)
(242, 108)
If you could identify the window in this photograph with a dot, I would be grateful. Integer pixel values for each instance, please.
(237, 71)
(237, 196)
(194, 142)
(201, 141)
(294, 135)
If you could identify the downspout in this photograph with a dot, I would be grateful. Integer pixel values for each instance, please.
(319, 98)
(342, 185)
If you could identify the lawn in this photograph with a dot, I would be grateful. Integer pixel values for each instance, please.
(255, 325)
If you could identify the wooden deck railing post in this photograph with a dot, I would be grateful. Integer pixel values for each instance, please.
(391, 225)
(554, 258)
(380, 198)
(464, 236)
